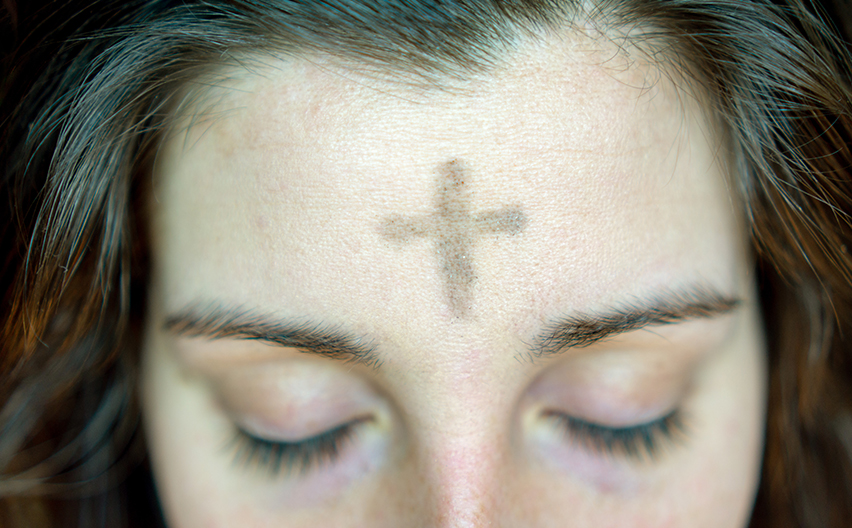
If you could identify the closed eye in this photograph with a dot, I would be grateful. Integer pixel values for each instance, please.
(302, 456)
(642, 441)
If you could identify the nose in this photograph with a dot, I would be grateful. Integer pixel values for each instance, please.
(466, 488)
(463, 452)
(463, 465)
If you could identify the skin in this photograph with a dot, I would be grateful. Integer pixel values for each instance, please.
(284, 203)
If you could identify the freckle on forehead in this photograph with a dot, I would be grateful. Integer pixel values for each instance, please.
(455, 231)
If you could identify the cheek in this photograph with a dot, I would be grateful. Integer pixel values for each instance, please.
(709, 481)
(180, 434)
(201, 484)
(718, 482)
(736, 409)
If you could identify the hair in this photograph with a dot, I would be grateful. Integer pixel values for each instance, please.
(89, 92)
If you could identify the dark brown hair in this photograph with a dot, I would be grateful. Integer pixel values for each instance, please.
(87, 93)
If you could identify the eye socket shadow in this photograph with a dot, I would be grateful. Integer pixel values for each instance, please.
(455, 230)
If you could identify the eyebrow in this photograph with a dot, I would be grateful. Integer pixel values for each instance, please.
(664, 308)
(575, 331)
(236, 322)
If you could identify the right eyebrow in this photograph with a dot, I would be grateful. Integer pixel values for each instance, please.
(237, 322)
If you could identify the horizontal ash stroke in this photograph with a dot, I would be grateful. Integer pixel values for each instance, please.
(402, 229)
(455, 230)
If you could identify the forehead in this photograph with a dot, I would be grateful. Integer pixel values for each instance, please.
(277, 192)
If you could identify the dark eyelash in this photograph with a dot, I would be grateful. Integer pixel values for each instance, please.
(643, 441)
(291, 457)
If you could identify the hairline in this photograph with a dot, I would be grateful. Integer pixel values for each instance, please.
(200, 95)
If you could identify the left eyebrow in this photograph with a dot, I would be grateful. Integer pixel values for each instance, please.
(666, 307)
(237, 322)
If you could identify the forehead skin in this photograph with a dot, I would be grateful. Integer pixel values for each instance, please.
(276, 196)
(311, 161)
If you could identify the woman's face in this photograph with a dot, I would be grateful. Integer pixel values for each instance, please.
(381, 305)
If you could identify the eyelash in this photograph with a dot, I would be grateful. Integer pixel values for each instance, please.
(288, 457)
(643, 441)
(640, 442)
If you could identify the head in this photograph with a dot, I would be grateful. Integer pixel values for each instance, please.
(517, 265)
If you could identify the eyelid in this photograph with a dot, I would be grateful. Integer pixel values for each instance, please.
(643, 441)
(293, 399)
(289, 457)
(616, 387)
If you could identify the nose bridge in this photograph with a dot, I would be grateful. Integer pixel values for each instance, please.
(465, 476)
(463, 449)
(465, 454)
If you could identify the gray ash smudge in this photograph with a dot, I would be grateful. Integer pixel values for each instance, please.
(455, 231)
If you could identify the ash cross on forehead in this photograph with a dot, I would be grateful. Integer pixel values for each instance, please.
(455, 230)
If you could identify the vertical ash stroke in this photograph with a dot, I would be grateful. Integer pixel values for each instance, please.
(455, 231)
